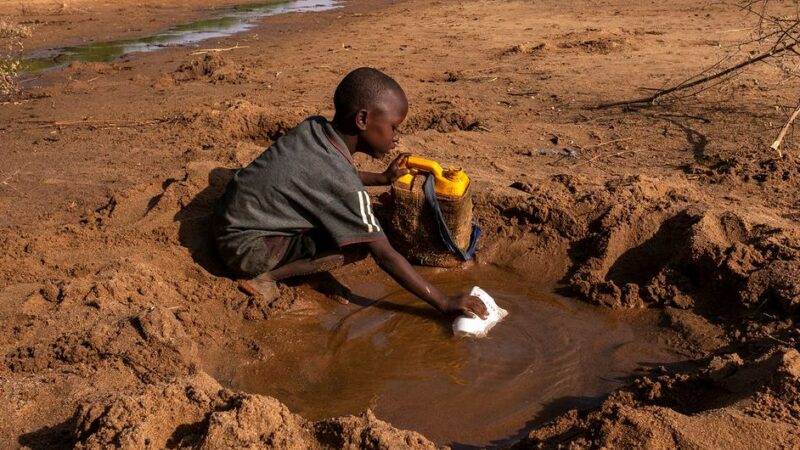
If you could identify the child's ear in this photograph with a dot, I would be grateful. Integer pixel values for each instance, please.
(361, 119)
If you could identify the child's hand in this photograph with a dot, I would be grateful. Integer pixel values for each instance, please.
(467, 305)
(397, 168)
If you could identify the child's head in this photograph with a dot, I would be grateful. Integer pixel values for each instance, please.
(371, 105)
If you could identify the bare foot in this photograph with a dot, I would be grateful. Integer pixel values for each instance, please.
(265, 289)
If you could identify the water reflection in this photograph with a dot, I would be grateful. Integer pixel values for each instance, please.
(231, 21)
(412, 372)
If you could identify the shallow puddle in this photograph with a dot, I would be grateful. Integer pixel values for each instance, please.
(400, 358)
(229, 21)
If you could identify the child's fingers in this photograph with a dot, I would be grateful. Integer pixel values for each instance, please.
(401, 159)
(478, 308)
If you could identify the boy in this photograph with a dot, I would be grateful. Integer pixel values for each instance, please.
(301, 206)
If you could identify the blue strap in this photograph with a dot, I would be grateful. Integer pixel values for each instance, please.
(444, 233)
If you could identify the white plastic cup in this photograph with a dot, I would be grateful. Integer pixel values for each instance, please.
(474, 326)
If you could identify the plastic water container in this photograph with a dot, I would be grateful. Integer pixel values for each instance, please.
(412, 226)
(475, 326)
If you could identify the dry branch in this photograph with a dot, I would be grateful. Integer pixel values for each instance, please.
(683, 86)
(602, 144)
(776, 145)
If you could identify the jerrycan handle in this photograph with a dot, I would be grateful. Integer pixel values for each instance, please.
(425, 165)
(451, 183)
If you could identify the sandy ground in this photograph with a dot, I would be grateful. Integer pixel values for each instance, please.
(111, 298)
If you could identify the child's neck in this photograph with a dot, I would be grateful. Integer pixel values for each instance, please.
(350, 139)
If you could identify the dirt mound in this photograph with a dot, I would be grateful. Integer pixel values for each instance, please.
(443, 120)
(595, 40)
(193, 412)
(241, 119)
(366, 432)
(725, 403)
(92, 68)
(136, 343)
(525, 48)
(639, 242)
(196, 412)
(180, 212)
(778, 176)
(212, 68)
(770, 171)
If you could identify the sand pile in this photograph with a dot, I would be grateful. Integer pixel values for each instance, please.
(213, 68)
(729, 402)
(196, 412)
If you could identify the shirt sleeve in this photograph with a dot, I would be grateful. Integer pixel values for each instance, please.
(349, 219)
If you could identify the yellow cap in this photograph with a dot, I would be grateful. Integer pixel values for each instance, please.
(449, 182)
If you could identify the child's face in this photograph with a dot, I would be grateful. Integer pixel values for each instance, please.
(380, 134)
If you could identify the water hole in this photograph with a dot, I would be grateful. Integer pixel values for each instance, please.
(399, 357)
(229, 21)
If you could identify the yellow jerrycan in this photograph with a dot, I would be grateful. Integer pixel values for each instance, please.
(449, 183)
(431, 216)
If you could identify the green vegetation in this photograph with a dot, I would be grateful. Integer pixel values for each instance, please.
(11, 45)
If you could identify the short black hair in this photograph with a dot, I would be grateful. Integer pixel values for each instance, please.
(361, 88)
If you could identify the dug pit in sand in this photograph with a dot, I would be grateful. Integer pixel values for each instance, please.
(107, 281)
(549, 355)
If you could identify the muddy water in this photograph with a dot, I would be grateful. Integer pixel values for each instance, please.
(228, 22)
(400, 359)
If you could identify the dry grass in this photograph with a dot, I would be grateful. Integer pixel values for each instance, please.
(12, 36)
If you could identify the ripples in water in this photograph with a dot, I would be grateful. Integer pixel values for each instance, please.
(398, 357)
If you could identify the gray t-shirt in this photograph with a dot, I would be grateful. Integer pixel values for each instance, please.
(306, 180)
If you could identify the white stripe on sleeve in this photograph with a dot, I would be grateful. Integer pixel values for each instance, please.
(363, 214)
(369, 212)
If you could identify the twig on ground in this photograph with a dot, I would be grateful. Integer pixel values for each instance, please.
(217, 50)
(778, 340)
(488, 78)
(776, 145)
(602, 144)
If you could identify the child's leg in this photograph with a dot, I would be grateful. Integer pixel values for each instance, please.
(264, 284)
(319, 263)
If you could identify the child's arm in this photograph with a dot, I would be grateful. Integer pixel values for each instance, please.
(395, 170)
(398, 267)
